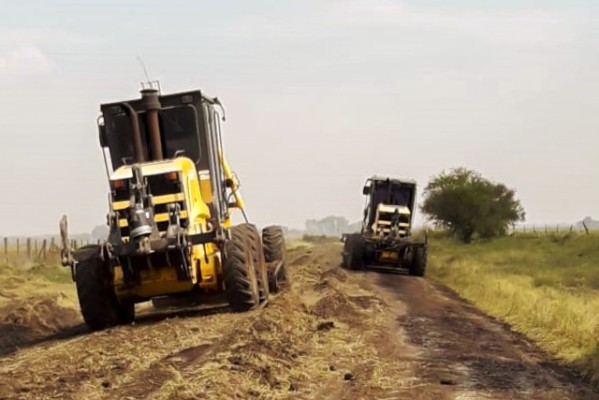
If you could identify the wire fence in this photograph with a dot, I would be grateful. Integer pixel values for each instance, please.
(551, 229)
(16, 250)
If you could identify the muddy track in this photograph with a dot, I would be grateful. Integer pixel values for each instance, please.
(465, 353)
(334, 334)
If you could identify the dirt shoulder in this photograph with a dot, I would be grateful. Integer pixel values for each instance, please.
(334, 334)
(467, 354)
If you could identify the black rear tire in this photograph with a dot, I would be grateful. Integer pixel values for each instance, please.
(241, 283)
(419, 260)
(275, 252)
(345, 254)
(98, 302)
(353, 252)
(126, 312)
(257, 254)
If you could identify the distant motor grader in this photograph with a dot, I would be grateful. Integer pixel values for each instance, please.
(385, 239)
(171, 197)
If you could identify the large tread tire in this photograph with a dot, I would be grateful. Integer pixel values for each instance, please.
(126, 312)
(241, 283)
(419, 261)
(97, 300)
(355, 252)
(257, 254)
(86, 252)
(346, 251)
(275, 251)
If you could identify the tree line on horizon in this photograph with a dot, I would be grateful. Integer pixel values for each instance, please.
(460, 201)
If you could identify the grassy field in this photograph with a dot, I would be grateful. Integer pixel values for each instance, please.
(545, 286)
(22, 278)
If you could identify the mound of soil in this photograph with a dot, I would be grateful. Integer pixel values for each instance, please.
(335, 304)
(30, 320)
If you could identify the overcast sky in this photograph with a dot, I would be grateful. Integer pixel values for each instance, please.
(319, 95)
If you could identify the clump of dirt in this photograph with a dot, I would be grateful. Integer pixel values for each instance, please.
(335, 304)
(346, 308)
(335, 273)
(29, 320)
(340, 299)
(330, 278)
(301, 259)
(368, 302)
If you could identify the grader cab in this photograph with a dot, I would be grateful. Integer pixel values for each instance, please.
(385, 239)
(170, 202)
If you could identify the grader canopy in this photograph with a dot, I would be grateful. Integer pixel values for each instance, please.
(186, 122)
(390, 192)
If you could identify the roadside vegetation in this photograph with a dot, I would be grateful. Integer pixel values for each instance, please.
(22, 279)
(36, 300)
(544, 286)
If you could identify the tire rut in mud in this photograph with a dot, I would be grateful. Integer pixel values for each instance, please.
(467, 351)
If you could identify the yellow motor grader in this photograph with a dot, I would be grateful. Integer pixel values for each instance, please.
(170, 203)
(385, 240)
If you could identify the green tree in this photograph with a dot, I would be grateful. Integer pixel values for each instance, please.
(468, 204)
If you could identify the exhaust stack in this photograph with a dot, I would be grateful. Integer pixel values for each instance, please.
(151, 104)
(137, 146)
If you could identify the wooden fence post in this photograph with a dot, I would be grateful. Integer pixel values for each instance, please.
(18, 246)
(6, 249)
(29, 248)
(42, 253)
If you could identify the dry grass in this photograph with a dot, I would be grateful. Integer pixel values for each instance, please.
(277, 352)
(545, 286)
(30, 279)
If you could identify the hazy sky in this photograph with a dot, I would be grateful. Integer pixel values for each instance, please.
(319, 95)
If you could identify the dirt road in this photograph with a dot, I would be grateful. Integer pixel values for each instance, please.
(334, 334)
